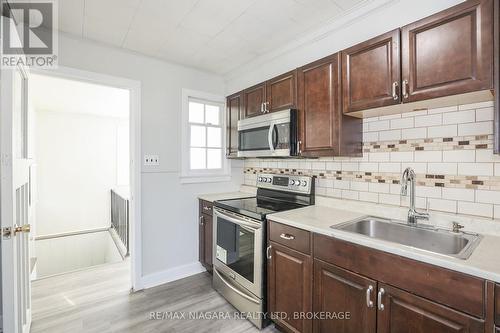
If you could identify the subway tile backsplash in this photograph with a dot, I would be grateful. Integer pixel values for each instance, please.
(450, 149)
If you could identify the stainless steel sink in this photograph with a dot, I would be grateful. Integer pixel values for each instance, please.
(445, 242)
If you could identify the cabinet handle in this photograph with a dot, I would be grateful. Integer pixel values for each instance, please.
(287, 236)
(405, 93)
(298, 147)
(381, 293)
(201, 220)
(394, 90)
(268, 252)
(266, 104)
(261, 107)
(369, 302)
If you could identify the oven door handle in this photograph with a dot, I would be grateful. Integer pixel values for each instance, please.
(239, 292)
(234, 220)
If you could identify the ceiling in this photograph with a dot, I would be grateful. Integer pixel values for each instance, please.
(213, 35)
(48, 93)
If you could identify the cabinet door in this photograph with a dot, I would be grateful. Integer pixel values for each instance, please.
(338, 291)
(208, 240)
(234, 107)
(400, 311)
(201, 239)
(448, 53)
(371, 73)
(290, 287)
(281, 92)
(253, 100)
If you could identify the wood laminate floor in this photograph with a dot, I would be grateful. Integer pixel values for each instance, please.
(98, 300)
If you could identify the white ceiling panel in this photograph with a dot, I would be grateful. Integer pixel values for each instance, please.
(213, 35)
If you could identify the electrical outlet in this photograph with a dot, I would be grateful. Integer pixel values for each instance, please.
(151, 160)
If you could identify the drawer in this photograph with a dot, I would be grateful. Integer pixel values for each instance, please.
(206, 207)
(497, 304)
(290, 237)
(459, 291)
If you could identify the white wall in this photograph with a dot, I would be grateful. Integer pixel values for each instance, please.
(77, 158)
(385, 16)
(169, 209)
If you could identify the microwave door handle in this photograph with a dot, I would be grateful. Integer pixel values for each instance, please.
(275, 136)
(270, 135)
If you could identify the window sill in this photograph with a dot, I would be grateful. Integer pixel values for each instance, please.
(204, 179)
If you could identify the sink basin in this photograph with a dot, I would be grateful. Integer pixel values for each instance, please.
(454, 244)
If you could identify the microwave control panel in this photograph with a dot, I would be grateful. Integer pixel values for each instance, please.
(291, 183)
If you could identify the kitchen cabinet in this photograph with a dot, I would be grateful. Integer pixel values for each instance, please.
(273, 95)
(324, 130)
(448, 53)
(338, 291)
(496, 75)
(371, 73)
(497, 304)
(400, 311)
(289, 283)
(234, 108)
(253, 100)
(281, 92)
(205, 234)
(382, 292)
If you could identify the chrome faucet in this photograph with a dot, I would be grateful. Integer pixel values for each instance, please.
(413, 215)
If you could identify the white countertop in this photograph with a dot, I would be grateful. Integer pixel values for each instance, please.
(245, 192)
(484, 261)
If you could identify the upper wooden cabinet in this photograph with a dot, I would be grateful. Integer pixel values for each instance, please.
(281, 92)
(399, 310)
(234, 108)
(448, 53)
(337, 290)
(276, 94)
(253, 100)
(371, 73)
(323, 129)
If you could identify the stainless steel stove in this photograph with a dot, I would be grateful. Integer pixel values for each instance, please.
(240, 237)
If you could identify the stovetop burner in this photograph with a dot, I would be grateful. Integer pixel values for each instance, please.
(275, 193)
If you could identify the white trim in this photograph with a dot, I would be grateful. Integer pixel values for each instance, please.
(135, 153)
(202, 176)
(172, 274)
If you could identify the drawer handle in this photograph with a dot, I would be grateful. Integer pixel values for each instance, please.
(207, 208)
(381, 293)
(287, 236)
(369, 302)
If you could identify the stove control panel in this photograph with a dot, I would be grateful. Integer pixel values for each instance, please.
(290, 183)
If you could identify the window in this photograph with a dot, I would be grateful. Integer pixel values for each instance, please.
(203, 139)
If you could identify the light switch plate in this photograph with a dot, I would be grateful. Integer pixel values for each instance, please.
(151, 160)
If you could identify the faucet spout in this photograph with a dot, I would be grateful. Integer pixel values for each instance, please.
(408, 179)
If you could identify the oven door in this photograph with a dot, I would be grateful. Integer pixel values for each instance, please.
(238, 250)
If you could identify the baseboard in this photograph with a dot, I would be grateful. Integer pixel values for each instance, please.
(169, 275)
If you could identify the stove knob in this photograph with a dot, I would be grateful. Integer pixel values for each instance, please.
(260, 179)
(269, 180)
(304, 183)
(291, 182)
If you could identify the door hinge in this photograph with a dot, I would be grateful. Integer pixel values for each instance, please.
(7, 232)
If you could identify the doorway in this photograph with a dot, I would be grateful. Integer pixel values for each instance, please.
(80, 136)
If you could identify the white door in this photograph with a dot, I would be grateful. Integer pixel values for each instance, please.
(15, 205)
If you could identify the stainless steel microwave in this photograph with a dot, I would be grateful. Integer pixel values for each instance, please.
(269, 135)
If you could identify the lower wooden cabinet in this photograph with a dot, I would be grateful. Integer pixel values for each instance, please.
(289, 286)
(400, 311)
(345, 300)
(205, 234)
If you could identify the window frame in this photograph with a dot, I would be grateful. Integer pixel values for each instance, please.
(189, 175)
